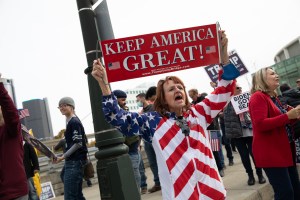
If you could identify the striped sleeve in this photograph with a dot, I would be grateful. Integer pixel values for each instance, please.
(216, 101)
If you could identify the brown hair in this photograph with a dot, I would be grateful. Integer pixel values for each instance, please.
(259, 82)
(193, 91)
(160, 104)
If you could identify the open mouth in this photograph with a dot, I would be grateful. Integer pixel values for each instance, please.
(178, 97)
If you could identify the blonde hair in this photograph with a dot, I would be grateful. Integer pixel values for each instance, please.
(259, 82)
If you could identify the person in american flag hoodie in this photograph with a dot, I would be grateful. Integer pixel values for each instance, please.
(177, 130)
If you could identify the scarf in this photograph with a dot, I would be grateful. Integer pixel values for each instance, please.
(245, 120)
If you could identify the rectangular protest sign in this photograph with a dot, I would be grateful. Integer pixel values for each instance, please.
(34, 142)
(162, 52)
(212, 70)
(240, 102)
(47, 191)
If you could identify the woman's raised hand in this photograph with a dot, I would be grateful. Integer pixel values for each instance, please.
(224, 45)
(99, 72)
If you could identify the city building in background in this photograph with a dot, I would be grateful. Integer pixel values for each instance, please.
(288, 63)
(9, 86)
(132, 93)
(39, 119)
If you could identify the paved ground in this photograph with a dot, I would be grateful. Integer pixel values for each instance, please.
(235, 181)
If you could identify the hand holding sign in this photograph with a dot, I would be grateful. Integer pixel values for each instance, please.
(224, 45)
(99, 73)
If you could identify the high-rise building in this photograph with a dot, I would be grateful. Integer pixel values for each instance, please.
(288, 63)
(39, 120)
(132, 93)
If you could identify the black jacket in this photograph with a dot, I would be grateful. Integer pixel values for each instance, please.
(30, 160)
(291, 97)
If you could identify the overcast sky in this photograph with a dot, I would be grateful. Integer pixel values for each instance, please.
(42, 50)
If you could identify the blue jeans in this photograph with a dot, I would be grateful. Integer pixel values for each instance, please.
(285, 182)
(32, 195)
(73, 180)
(135, 160)
(152, 162)
(142, 173)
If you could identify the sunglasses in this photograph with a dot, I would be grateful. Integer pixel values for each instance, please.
(238, 88)
(182, 123)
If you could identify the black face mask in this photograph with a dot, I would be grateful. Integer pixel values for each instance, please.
(182, 123)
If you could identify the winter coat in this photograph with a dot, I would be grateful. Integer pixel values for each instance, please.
(13, 181)
(291, 97)
(271, 147)
(233, 128)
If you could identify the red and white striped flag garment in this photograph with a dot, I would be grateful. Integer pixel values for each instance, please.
(186, 165)
(23, 113)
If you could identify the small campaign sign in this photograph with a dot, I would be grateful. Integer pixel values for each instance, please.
(240, 102)
(212, 70)
(47, 191)
(162, 52)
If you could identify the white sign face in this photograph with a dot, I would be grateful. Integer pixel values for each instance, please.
(240, 102)
(47, 191)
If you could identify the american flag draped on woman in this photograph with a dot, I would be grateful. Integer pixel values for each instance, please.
(177, 130)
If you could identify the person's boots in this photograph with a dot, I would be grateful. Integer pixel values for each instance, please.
(251, 180)
(261, 179)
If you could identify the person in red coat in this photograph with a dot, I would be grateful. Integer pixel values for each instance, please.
(13, 181)
(273, 142)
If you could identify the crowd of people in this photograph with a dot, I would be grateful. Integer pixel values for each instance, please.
(178, 131)
(182, 139)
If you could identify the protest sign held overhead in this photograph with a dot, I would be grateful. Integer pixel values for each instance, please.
(240, 102)
(162, 52)
(212, 70)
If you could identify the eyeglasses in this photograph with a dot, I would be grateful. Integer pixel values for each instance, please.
(238, 88)
(182, 123)
(62, 106)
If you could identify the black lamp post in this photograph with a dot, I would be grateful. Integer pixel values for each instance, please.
(114, 168)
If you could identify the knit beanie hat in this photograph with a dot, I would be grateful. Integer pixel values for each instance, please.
(67, 100)
(120, 94)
